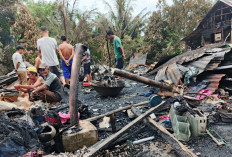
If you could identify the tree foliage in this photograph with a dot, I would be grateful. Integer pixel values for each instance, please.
(25, 32)
(159, 35)
(121, 20)
(170, 23)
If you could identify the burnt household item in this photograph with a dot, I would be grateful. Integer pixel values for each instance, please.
(225, 116)
(197, 122)
(155, 100)
(15, 113)
(109, 91)
(48, 132)
(10, 97)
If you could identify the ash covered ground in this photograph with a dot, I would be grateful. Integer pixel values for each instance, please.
(133, 94)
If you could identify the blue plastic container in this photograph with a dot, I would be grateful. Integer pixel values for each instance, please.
(155, 100)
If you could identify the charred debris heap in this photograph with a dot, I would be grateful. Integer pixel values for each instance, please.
(192, 93)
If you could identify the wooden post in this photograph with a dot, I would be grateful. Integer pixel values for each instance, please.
(74, 84)
(222, 34)
(202, 41)
(231, 31)
(112, 122)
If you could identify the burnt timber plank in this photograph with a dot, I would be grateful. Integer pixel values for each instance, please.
(92, 151)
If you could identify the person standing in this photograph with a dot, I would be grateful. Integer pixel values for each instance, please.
(118, 49)
(47, 46)
(20, 66)
(66, 52)
(38, 62)
(86, 61)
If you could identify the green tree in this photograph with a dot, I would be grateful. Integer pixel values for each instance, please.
(120, 19)
(25, 32)
(170, 23)
(7, 16)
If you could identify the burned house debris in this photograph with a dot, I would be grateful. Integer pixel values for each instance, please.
(177, 111)
(215, 27)
(182, 107)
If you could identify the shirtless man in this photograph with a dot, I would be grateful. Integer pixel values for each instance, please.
(66, 52)
(38, 62)
(34, 81)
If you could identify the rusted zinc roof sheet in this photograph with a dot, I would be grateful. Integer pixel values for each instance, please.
(214, 80)
(174, 72)
(187, 56)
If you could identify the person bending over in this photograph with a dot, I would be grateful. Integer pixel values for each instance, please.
(34, 81)
(52, 90)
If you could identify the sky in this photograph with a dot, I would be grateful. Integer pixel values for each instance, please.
(138, 5)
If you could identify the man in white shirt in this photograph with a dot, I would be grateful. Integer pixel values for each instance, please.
(47, 46)
(20, 66)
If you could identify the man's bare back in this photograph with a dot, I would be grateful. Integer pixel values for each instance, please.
(66, 50)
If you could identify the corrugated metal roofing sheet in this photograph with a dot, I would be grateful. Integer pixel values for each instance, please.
(214, 81)
(228, 2)
(200, 63)
(187, 56)
(212, 65)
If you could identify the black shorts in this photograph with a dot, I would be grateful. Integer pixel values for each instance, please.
(56, 70)
(119, 63)
(87, 69)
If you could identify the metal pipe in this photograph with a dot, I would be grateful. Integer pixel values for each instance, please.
(74, 84)
(143, 140)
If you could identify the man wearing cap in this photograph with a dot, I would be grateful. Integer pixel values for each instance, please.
(66, 52)
(34, 81)
(20, 66)
(86, 61)
(118, 49)
(47, 46)
(52, 90)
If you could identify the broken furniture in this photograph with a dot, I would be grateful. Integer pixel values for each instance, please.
(187, 125)
(180, 125)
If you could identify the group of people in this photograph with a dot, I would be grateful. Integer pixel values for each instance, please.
(46, 82)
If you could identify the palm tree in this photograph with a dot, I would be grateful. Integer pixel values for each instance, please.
(121, 21)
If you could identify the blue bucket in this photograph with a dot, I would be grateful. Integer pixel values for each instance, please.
(155, 100)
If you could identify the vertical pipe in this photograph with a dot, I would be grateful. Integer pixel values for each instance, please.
(74, 84)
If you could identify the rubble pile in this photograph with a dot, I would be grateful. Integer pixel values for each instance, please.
(186, 103)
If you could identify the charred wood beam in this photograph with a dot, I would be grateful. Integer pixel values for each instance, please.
(115, 111)
(112, 122)
(142, 79)
(176, 144)
(92, 151)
